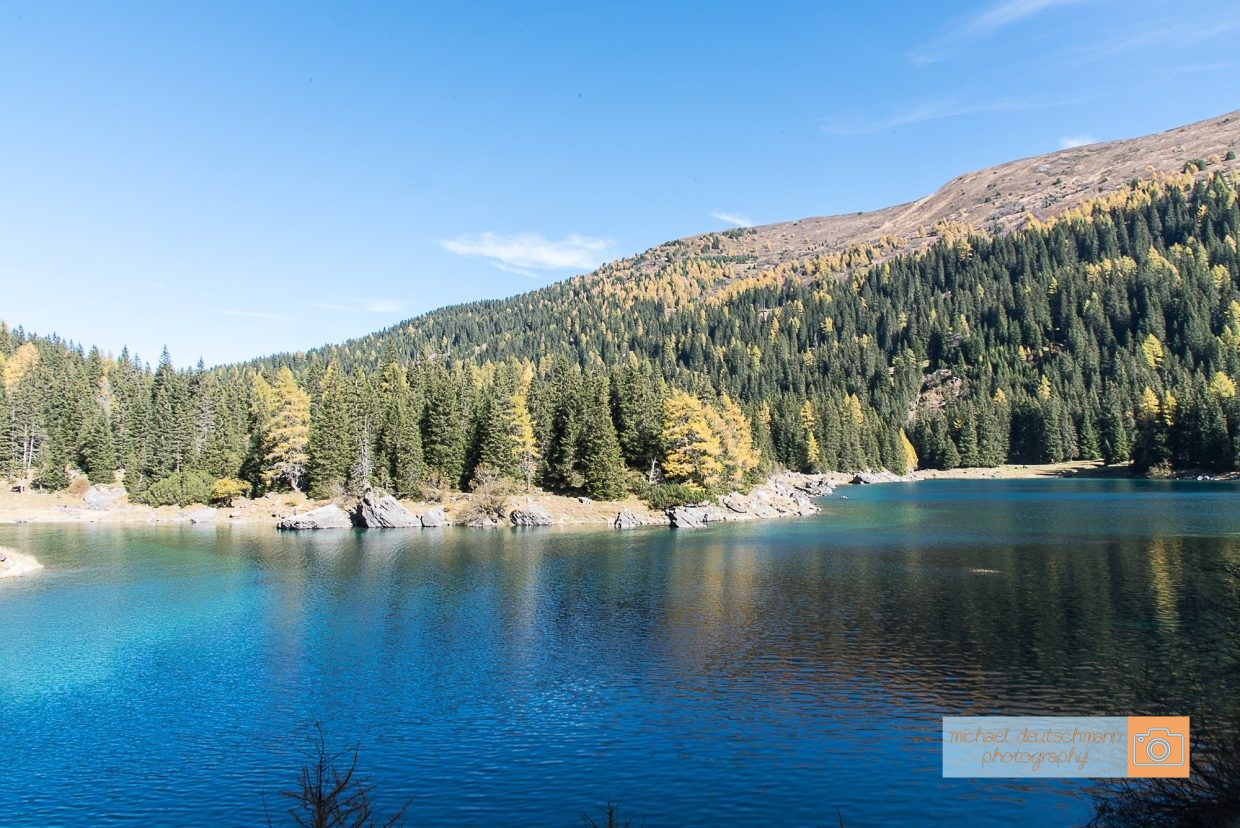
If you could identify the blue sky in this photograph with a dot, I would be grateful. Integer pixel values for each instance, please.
(234, 180)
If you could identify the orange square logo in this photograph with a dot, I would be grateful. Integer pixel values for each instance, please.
(1158, 746)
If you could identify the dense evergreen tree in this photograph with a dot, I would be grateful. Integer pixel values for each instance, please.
(602, 465)
(332, 436)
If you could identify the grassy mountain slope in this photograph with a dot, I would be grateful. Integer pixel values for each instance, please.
(996, 199)
(717, 267)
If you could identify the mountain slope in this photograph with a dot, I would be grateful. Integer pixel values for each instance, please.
(714, 268)
(997, 199)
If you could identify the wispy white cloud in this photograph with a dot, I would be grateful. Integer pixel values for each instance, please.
(936, 111)
(980, 23)
(1074, 141)
(520, 271)
(525, 253)
(1168, 33)
(732, 218)
(363, 306)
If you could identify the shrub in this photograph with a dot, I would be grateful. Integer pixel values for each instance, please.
(435, 487)
(79, 485)
(180, 489)
(1161, 471)
(227, 489)
(489, 500)
(666, 495)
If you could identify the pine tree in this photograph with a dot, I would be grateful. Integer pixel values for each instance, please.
(498, 425)
(967, 439)
(332, 446)
(560, 460)
(443, 428)
(811, 458)
(399, 437)
(98, 448)
(1152, 446)
(992, 434)
(1113, 439)
(602, 465)
(171, 428)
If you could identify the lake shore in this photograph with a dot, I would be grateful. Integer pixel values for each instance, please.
(63, 507)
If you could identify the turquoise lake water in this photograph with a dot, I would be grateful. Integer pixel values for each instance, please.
(756, 674)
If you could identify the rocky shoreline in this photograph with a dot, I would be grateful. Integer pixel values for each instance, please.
(786, 494)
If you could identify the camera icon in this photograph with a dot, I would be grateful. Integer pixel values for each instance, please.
(1158, 746)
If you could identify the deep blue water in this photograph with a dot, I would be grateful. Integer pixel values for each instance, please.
(761, 674)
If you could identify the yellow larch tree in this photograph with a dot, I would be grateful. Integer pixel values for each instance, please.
(20, 364)
(693, 448)
(732, 427)
(287, 430)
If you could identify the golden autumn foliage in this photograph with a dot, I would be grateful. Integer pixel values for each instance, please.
(1222, 386)
(739, 455)
(285, 409)
(1152, 350)
(910, 453)
(693, 447)
(20, 364)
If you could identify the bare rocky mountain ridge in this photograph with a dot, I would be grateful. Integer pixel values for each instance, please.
(994, 200)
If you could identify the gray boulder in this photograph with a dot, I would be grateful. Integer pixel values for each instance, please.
(203, 515)
(330, 516)
(434, 518)
(763, 511)
(866, 478)
(101, 498)
(531, 514)
(482, 522)
(382, 511)
(817, 487)
(626, 520)
(694, 517)
(735, 502)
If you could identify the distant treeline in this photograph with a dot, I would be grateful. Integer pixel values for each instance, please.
(1112, 332)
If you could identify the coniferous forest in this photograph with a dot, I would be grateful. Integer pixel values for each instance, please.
(1112, 332)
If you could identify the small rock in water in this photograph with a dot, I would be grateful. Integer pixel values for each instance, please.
(531, 514)
(434, 518)
(694, 517)
(626, 520)
(382, 511)
(330, 516)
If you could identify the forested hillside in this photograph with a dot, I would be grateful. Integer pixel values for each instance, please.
(1111, 331)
